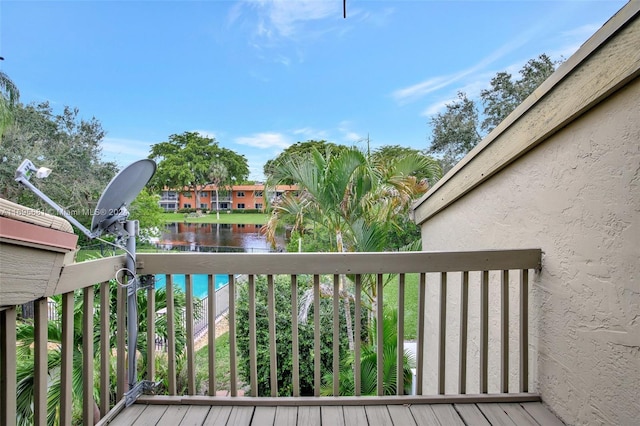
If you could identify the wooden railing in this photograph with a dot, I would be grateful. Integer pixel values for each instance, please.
(433, 269)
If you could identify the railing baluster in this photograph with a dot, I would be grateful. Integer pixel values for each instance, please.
(380, 335)
(442, 335)
(105, 343)
(358, 333)
(190, 343)
(40, 362)
(421, 315)
(294, 336)
(271, 306)
(504, 329)
(121, 327)
(211, 333)
(8, 379)
(524, 331)
(66, 369)
(171, 337)
(336, 334)
(464, 319)
(400, 338)
(316, 336)
(484, 331)
(151, 333)
(232, 337)
(87, 356)
(253, 353)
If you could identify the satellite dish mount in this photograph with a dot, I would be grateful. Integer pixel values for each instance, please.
(111, 217)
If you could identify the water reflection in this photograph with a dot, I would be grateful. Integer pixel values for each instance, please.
(203, 236)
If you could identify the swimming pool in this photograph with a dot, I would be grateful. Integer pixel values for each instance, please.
(200, 282)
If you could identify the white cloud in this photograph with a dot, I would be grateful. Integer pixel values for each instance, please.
(264, 140)
(310, 133)
(285, 17)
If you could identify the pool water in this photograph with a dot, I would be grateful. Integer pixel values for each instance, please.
(200, 282)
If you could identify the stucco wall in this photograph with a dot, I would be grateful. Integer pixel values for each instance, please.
(577, 197)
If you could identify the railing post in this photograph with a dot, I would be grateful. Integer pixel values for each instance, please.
(294, 336)
(464, 315)
(336, 334)
(357, 333)
(211, 331)
(40, 360)
(232, 337)
(66, 369)
(421, 314)
(400, 338)
(8, 406)
(253, 361)
(442, 335)
(171, 339)
(191, 357)
(316, 336)
(484, 331)
(504, 329)
(524, 331)
(380, 335)
(87, 357)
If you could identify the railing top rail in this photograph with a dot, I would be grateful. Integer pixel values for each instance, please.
(337, 263)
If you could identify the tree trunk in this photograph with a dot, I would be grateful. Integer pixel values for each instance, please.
(347, 302)
(217, 206)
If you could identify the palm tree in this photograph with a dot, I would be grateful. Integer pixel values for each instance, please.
(25, 355)
(9, 97)
(368, 364)
(357, 197)
(218, 174)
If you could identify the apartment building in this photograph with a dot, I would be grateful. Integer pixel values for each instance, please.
(235, 198)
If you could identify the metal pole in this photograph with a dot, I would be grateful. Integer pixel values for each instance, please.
(132, 302)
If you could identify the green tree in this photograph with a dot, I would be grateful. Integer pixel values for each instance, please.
(505, 93)
(185, 161)
(9, 97)
(282, 292)
(299, 150)
(455, 131)
(218, 176)
(147, 211)
(65, 143)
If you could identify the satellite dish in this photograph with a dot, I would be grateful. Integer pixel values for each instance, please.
(120, 193)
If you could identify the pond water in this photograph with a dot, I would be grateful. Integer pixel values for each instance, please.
(214, 237)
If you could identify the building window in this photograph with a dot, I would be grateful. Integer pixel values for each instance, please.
(223, 206)
(186, 205)
(241, 206)
(204, 206)
(240, 194)
(259, 206)
(204, 194)
(257, 193)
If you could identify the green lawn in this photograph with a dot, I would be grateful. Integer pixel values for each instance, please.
(411, 283)
(223, 374)
(230, 218)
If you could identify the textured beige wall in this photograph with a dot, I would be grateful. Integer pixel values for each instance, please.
(577, 197)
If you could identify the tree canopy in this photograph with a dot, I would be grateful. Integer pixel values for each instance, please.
(9, 97)
(185, 160)
(458, 129)
(299, 150)
(63, 142)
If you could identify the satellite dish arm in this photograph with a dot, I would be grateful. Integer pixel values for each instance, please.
(22, 176)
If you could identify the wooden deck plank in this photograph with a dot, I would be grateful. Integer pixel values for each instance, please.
(308, 415)
(355, 415)
(218, 416)
(173, 415)
(401, 415)
(264, 416)
(150, 415)
(128, 415)
(447, 415)
(240, 416)
(541, 414)
(332, 416)
(195, 415)
(495, 414)
(471, 414)
(518, 414)
(424, 415)
(286, 416)
(378, 415)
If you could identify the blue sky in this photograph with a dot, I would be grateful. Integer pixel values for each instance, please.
(261, 75)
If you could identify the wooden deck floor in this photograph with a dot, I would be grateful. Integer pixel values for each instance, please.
(509, 413)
